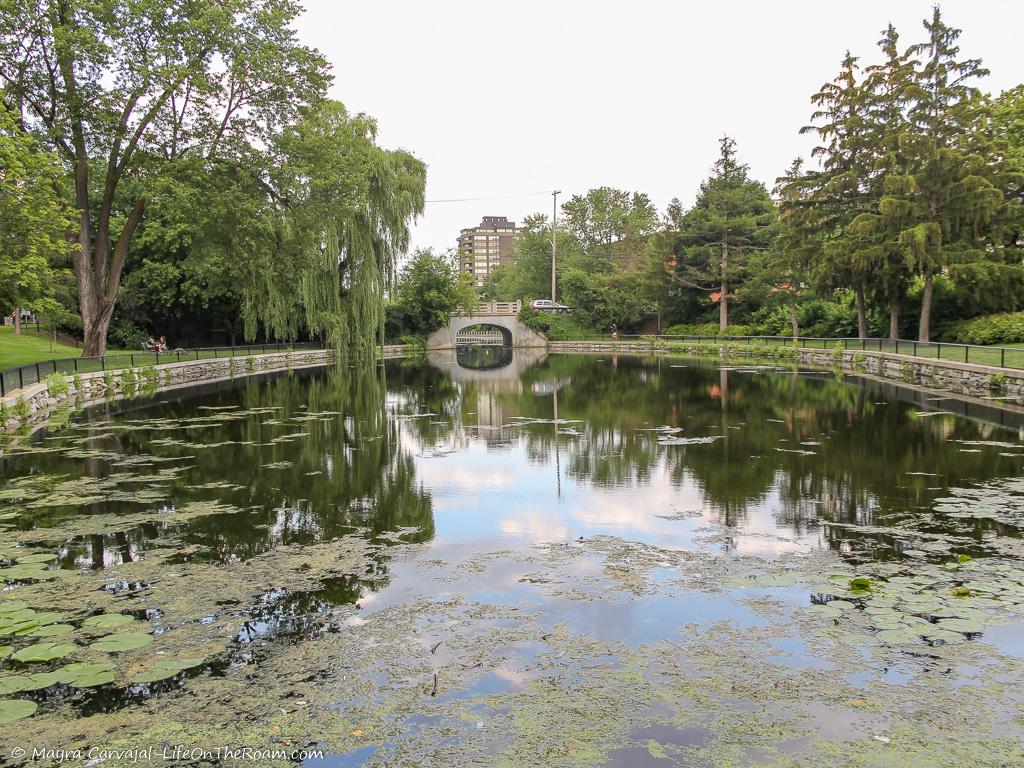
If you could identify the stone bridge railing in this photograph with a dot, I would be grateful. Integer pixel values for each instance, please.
(494, 308)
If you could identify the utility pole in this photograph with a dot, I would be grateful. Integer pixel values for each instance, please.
(554, 242)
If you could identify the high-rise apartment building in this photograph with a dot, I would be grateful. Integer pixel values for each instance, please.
(483, 248)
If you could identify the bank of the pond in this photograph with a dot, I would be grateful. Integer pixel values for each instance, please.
(32, 404)
(968, 379)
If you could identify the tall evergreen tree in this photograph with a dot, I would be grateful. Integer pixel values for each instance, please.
(795, 246)
(888, 87)
(732, 217)
(948, 199)
(842, 189)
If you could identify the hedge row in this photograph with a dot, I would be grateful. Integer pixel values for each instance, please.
(1006, 328)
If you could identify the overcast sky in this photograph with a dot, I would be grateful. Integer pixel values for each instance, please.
(515, 98)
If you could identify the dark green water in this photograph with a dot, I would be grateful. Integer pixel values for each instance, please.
(497, 558)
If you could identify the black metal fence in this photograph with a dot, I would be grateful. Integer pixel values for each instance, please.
(21, 376)
(1000, 357)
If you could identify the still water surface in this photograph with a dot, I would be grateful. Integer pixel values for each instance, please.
(498, 558)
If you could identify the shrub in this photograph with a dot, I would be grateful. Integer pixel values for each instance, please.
(56, 384)
(149, 373)
(707, 329)
(534, 320)
(1004, 328)
(20, 409)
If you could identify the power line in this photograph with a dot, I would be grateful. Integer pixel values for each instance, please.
(499, 197)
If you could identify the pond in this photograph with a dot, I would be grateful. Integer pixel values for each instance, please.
(487, 558)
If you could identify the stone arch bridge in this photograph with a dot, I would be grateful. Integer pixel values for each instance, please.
(500, 315)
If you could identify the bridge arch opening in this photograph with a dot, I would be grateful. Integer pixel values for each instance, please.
(484, 333)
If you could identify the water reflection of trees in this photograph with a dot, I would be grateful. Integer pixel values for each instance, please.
(813, 447)
(348, 470)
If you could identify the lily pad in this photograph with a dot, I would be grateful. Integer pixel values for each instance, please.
(125, 642)
(12, 606)
(17, 709)
(36, 682)
(87, 674)
(860, 584)
(108, 620)
(37, 557)
(43, 652)
(961, 625)
(6, 650)
(898, 636)
(27, 572)
(51, 630)
(166, 669)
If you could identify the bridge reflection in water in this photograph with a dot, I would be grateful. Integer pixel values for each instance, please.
(492, 363)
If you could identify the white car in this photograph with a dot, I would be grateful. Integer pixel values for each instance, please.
(547, 305)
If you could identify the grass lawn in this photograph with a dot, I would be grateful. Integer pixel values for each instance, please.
(30, 347)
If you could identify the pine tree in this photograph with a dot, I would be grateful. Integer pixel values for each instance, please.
(842, 189)
(948, 199)
(733, 216)
(795, 246)
(888, 87)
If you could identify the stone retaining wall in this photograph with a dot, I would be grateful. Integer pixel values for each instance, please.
(959, 378)
(31, 404)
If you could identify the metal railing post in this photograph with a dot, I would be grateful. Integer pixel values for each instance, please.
(1002, 357)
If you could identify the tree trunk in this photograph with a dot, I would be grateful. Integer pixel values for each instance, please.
(723, 304)
(98, 273)
(924, 326)
(793, 320)
(894, 318)
(95, 344)
(17, 321)
(862, 314)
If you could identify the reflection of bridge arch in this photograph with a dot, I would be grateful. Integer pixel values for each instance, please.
(518, 334)
(505, 377)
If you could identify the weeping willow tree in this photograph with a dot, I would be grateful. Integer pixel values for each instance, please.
(338, 213)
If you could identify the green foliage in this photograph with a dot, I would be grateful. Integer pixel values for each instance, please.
(606, 216)
(56, 384)
(33, 220)
(565, 328)
(708, 329)
(733, 217)
(555, 327)
(20, 409)
(1004, 328)
(603, 300)
(430, 289)
(537, 321)
(416, 345)
(124, 90)
(124, 334)
(150, 374)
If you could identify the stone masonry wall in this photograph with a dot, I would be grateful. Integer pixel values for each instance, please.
(33, 403)
(959, 378)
